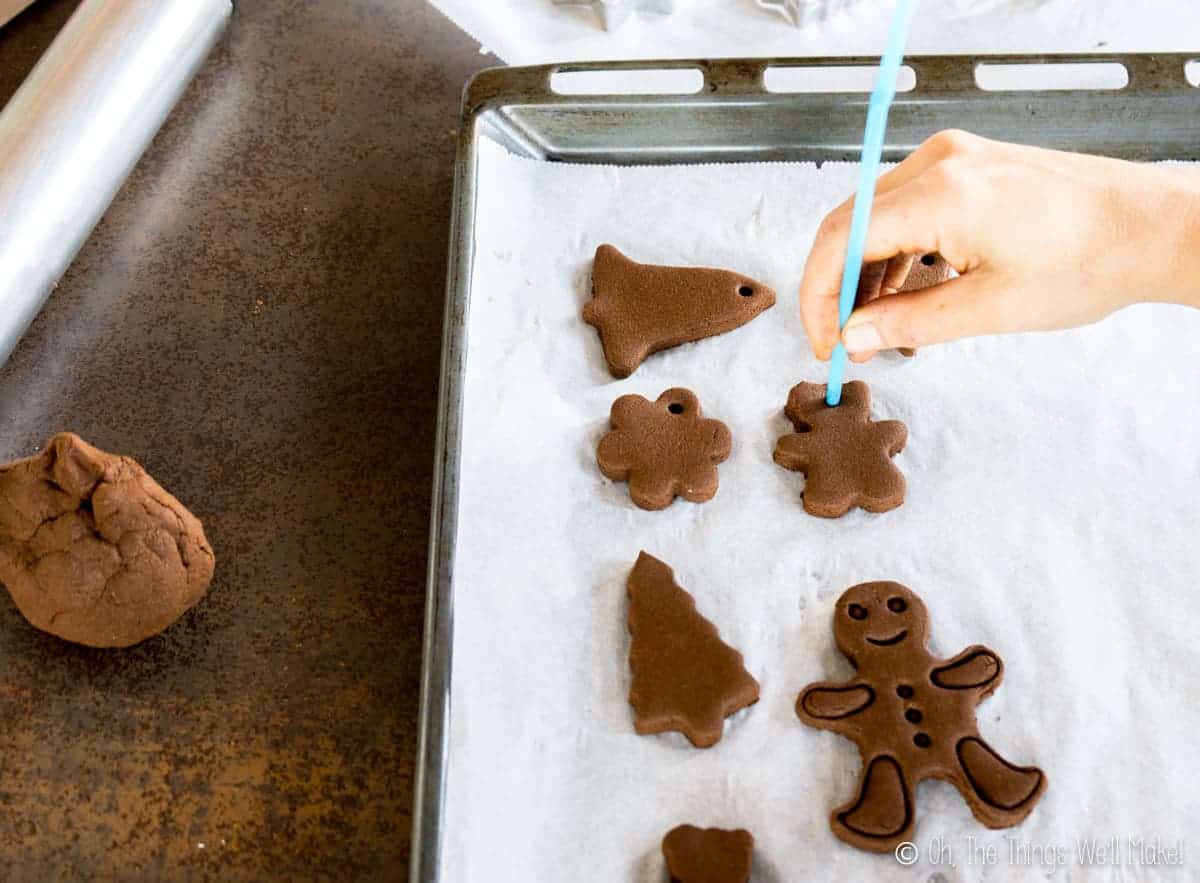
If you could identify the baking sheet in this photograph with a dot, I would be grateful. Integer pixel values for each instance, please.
(1053, 522)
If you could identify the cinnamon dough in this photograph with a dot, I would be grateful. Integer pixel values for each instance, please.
(685, 678)
(708, 855)
(93, 550)
(844, 455)
(640, 309)
(912, 716)
(664, 449)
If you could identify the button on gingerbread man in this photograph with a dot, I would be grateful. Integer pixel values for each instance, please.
(912, 716)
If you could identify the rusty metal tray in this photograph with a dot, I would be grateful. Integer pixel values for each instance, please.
(734, 118)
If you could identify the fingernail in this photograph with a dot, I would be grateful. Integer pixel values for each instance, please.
(861, 338)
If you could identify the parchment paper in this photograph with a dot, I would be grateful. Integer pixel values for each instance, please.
(1052, 514)
(540, 32)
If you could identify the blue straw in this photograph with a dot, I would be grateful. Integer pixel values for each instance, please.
(877, 113)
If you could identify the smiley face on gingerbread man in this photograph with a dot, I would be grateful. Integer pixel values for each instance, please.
(912, 716)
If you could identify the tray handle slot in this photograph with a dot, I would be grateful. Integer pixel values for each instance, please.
(1055, 76)
(733, 77)
(832, 78)
(1052, 73)
(620, 80)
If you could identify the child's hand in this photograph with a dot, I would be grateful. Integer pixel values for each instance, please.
(1043, 240)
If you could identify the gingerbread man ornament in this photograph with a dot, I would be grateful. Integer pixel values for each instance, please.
(912, 716)
(844, 455)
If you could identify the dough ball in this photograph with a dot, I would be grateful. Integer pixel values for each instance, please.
(93, 550)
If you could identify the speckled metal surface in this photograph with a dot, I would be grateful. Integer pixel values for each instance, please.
(257, 319)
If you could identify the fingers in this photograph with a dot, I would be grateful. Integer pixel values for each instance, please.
(893, 274)
(915, 204)
(896, 273)
(932, 150)
(906, 219)
(962, 307)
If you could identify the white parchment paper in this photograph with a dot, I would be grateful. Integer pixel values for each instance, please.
(1053, 512)
(541, 32)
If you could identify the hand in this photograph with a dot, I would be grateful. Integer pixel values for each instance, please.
(1042, 240)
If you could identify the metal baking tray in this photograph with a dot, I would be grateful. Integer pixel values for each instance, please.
(734, 118)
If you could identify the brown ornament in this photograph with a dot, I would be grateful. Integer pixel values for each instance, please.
(844, 455)
(640, 309)
(927, 271)
(902, 273)
(912, 716)
(664, 449)
(708, 855)
(685, 678)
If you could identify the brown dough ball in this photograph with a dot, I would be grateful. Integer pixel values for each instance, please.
(93, 550)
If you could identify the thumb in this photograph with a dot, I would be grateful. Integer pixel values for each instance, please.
(961, 307)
